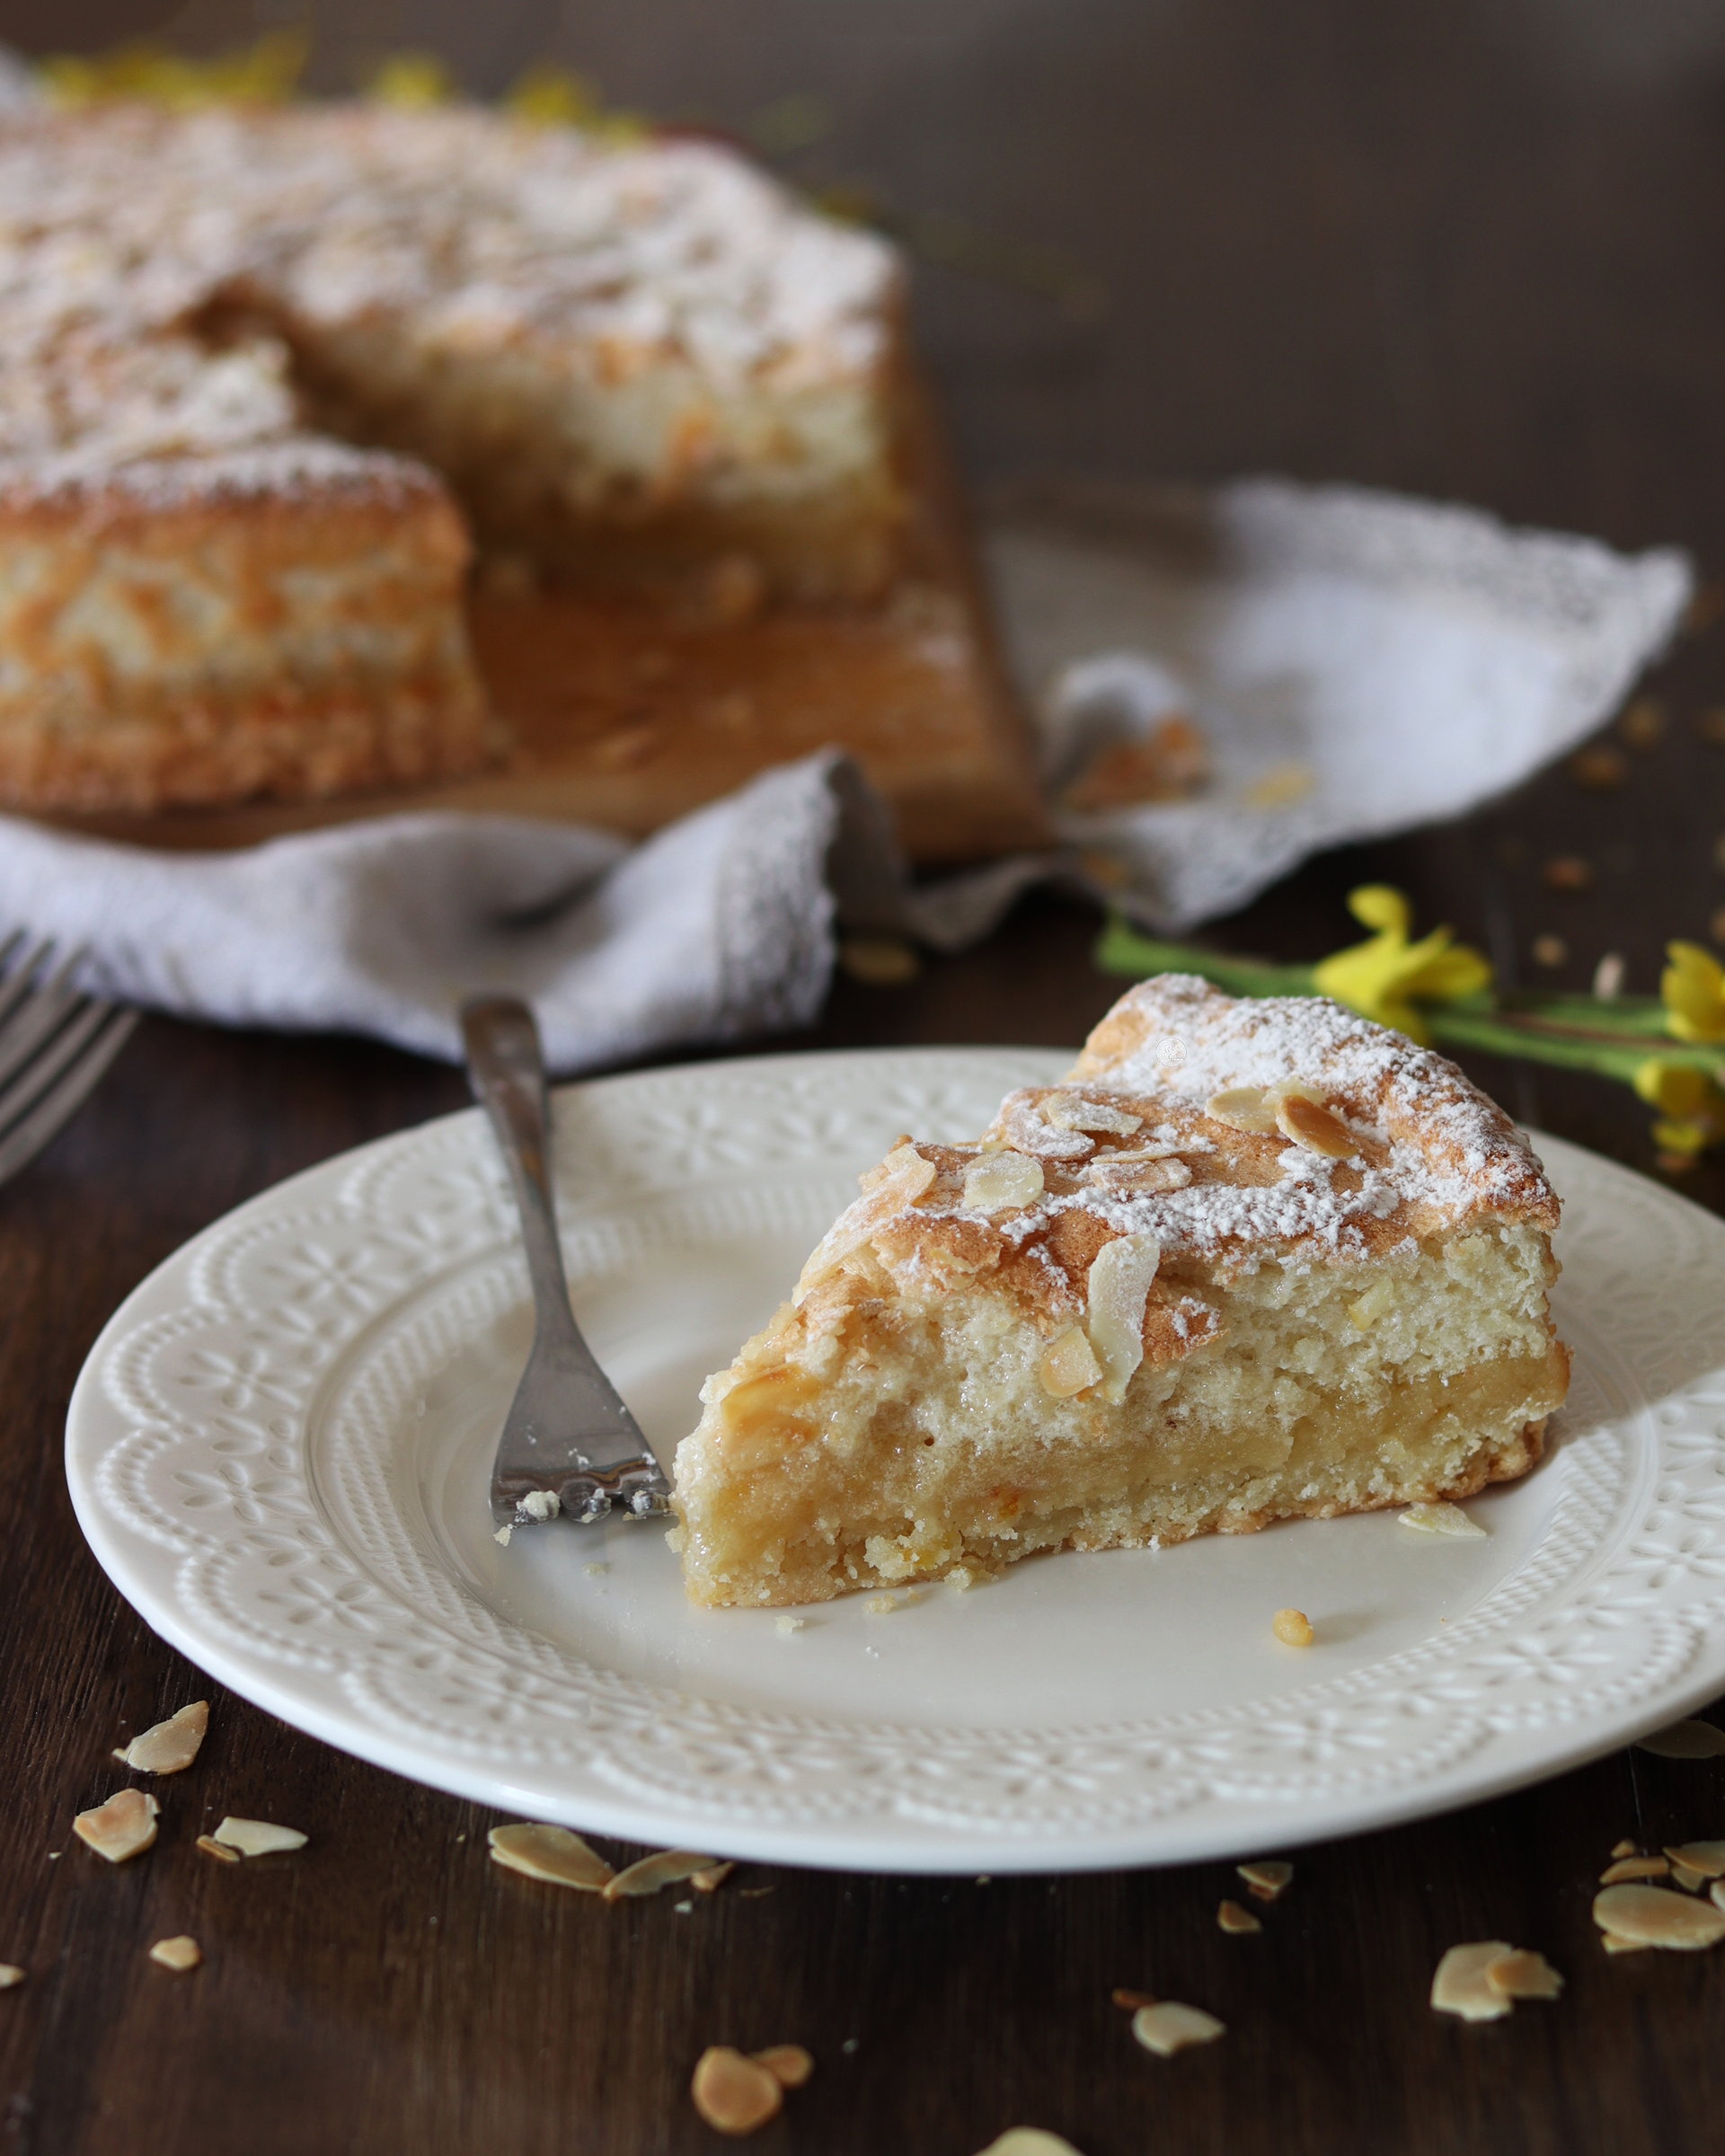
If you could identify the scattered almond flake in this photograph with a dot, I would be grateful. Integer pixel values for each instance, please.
(684, 1908)
(171, 1746)
(1002, 1182)
(1317, 1129)
(1445, 1519)
(181, 1953)
(787, 1625)
(1686, 1740)
(1169, 2027)
(503, 1534)
(1654, 1916)
(711, 1877)
(752, 1893)
(894, 1188)
(1609, 975)
(1029, 2140)
(1460, 1985)
(1625, 1848)
(732, 2093)
(1642, 725)
(211, 1847)
(879, 961)
(125, 1826)
(663, 1867)
(553, 1853)
(539, 1505)
(1523, 1974)
(788, 2063)
(1073, 1111)
(1613, 1945)
(1068, 1364)
(1708, 1858)
(1691, 1882)
(1138, 1174)
(1242, 1107)
(1118, 1288)
(1266, 1879)
(1280, 787)
(1132, 2000)
(1293, 1627)
(1716, 1892)
(1567, 872)
(10, 1974)
(1633, 1868)
(882, 1605)
(1232, 1917)
(258, 1837)
(1550, 950)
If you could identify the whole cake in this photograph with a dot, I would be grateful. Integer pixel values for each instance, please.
(264, 374)
(1253, 1259)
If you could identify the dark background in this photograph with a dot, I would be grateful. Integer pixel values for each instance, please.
(1465, 251)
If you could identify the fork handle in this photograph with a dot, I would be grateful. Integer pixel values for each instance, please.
(506, 1069)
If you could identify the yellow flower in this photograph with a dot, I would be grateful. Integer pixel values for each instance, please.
(1383, 977)
(413, 80)
(1692, 1108)
(555, 97)
(266, 73)
(1693, 990)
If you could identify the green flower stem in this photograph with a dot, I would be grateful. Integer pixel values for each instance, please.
(1574, 1033)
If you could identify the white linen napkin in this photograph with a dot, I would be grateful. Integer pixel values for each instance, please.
(1409, 660)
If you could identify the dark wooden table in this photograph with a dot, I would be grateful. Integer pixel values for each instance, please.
(1473, 252)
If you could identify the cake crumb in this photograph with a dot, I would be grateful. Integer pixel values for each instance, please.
(785, 1626)
(181, 1953)
(1293, 1627)
(502, 1535)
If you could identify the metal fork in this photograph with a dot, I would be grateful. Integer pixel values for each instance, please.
(569, 1443)
(55, 1045)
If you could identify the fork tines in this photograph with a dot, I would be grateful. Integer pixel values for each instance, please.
(55, 1045)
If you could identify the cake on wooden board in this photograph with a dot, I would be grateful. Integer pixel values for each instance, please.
(268, 378)
(1251, 1261)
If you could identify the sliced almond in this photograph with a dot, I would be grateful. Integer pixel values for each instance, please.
(1633, 1868)
(10, 1974)
(1461, 1985)
(1624, 1849)
(1002, 1182)
(1118, 1285)
(1691, 1882)
(551, 1853)
(901, 1179)
(1073, 1111)
(179, 1953)
(1523, 1974)
(1708, 1858)
(1131, 2001)
(648, 1875)
(1654, 1916)
(169, 1747)
(733, 2093)
(1232, 1917)
(1242, 1107)
(211, 1847)
(788, 2063)
(1686, 1740)
(258, 1837)
(1319, 1129)
(713, 1877)
(1169, 2027)
(1293, 1627)
(125, 1826)
(1138, 1174)
(1267, 1879)
(1029, 2140)
(1068, 1364)
(1442, 1519)
(1613, 1945)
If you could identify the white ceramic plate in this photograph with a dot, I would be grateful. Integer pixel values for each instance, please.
(279, 1447)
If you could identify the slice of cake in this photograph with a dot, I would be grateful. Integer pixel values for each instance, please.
(1251, 1261)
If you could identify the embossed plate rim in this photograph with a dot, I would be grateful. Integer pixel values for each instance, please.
(155, 1559)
